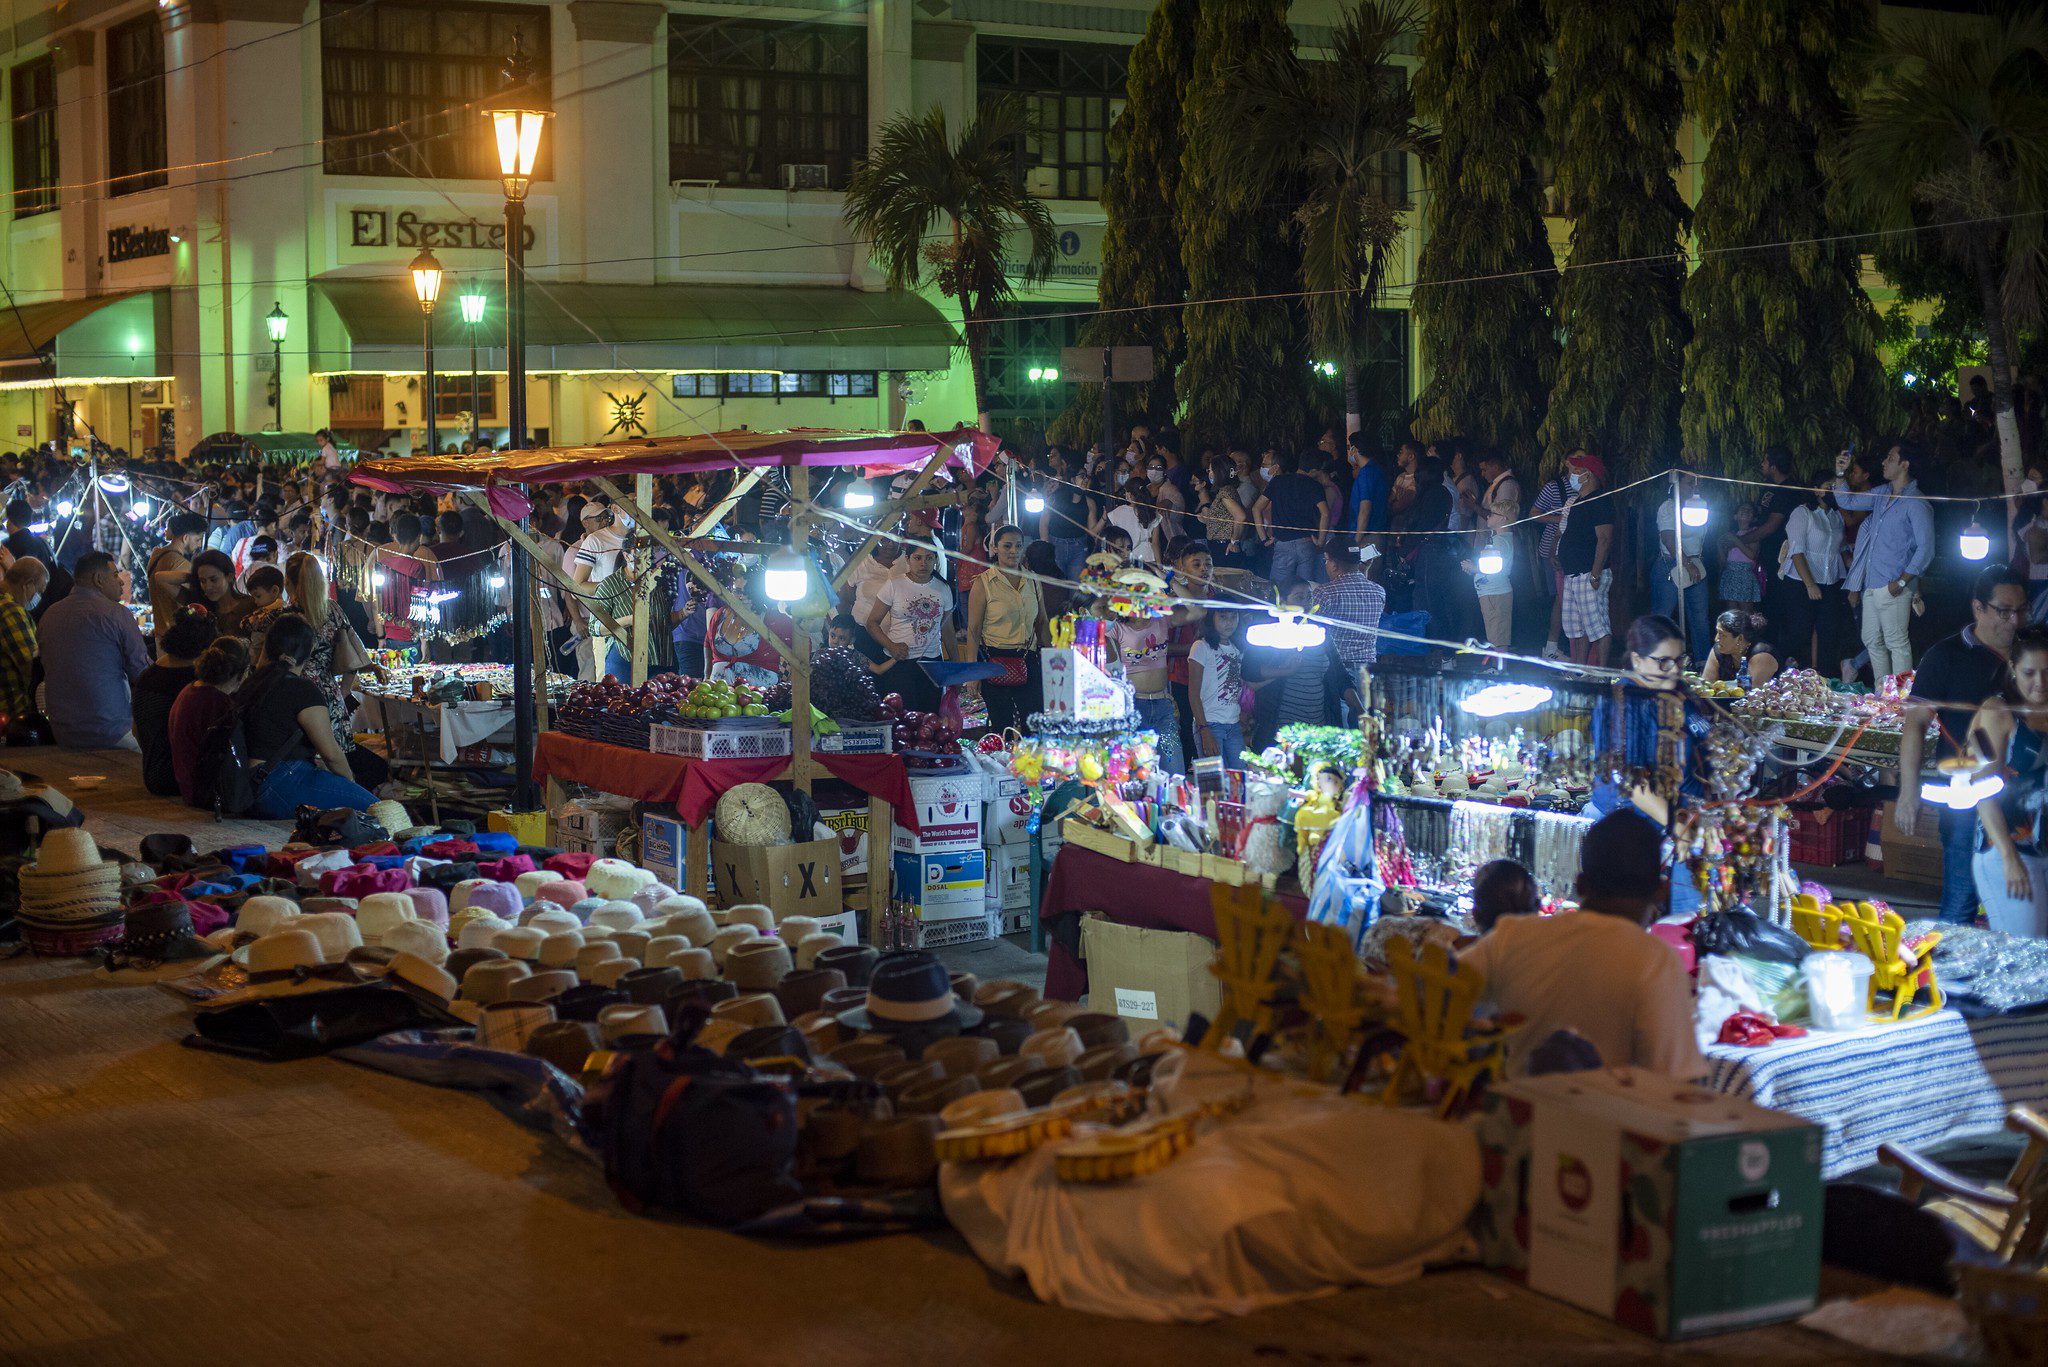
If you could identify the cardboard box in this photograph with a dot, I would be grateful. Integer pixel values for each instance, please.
(852, 825)
(943, 887)
(1006, 816)
(1668, 1208)
(792, 880)
(664, 845)
(1913, 855)
(1010, 873)
(1076, 689)
(1149, 977)
(948, 809)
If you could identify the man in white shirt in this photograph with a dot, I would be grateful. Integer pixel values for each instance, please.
(590, 564)
(1597, 972)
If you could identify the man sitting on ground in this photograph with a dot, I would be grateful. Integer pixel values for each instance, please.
(91, 649)
(1598, 972)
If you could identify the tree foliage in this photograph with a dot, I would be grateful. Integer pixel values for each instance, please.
(920, 178)
(1783, 347)
(1487, 272)
(1614, 108)
(1246, 374)
(1141, 268)
(1948, 156)
(1335, 128)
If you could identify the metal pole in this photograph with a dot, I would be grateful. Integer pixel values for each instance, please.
(277, 394)
(1678, 551)
(427, 318)
(1108, 411)
(473, 391)
(522, 569)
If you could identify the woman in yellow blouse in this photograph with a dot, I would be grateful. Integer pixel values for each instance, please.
(1005, 626)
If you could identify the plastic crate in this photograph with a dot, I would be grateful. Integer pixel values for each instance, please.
(963, 930)
(857, 739)
(1018, 921)
(763, 741)
(1828, 837)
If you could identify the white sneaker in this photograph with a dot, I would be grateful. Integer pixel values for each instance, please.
(1552, 651)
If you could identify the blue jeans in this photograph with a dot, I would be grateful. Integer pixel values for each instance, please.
(1070, 553)
(1160, 715)
(1958, 875)
(1699, 621)
(300, 783)
(1229, 742)
(1296, 562)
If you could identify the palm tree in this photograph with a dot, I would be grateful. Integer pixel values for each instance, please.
(1332, 127)
(1950, 145)
(919, 178)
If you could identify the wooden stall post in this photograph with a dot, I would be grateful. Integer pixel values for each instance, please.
(802, 768)
(643, 494)
(888, 512)
(736, 603)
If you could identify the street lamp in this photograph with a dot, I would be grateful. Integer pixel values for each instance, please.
(517, 122)
(277, 321)
(426, 287)
(473, 313)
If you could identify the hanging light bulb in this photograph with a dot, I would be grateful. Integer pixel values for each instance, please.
(1490, 560)
(376, 579)
(787, 577)
(139, 509)
(39, 528)
(1973, 543)
(1693, 512)
(65, 507)
(857, 498)
(114, 484)
(497, 581)
(1502, 699)
(1034, 503)
(1286, 631)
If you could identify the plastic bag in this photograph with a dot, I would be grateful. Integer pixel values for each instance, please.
(1744, 932)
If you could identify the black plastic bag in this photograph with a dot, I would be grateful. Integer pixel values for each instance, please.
(1737, 931)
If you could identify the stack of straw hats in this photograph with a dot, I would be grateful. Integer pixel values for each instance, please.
(70, 897)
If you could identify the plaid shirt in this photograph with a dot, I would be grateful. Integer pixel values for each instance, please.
(1353, 598)
(1549, 500)
(17, 657)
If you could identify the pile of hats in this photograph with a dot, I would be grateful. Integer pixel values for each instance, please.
(70, 895)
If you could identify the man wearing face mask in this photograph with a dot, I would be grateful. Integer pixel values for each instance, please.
(1584, 555)
(19, 592)
(1293, 518)
(1166, 497)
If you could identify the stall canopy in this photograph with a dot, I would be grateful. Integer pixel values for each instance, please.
(365, 324)
(494, 472)
(110, 336)
(272, 448)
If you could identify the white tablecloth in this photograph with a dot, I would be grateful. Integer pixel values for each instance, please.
(459, 724)
(1918, 1085)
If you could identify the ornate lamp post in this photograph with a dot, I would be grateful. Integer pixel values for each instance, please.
(472, 301)
(278, 323)
(426, 287)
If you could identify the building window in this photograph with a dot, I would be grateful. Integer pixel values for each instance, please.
(788, 384)
(403, 85)
(451, 397)
(1031, 338)
(754, 103)
(1074, 92)
(135, 106)
(32, 86)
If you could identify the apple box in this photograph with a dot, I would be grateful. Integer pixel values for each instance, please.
(1006, 817)
(1010, 871)
(943, 887)
(851, 826)
(791, 880)
(664, 844)
(948, 810)
(1668, 1208)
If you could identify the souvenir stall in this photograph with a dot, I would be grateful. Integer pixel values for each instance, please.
(443, 715)
(683, 742)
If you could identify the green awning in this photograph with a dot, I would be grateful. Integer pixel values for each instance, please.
(374, 325)
(101, 335)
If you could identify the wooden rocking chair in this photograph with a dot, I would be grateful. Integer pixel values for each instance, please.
(1817, 924)
(1435, 999)
(2009, 1220)
(1877, 934)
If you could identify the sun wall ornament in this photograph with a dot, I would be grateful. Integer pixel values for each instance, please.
(628, 414)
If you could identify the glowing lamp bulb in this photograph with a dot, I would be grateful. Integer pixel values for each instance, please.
(1693, 513)
(857, 499)
(1491, 561)
(139, 509)
(787, 577)
(377, 578)
(497, 581)
(1974, 544)
(1503, 699)
(1033, 503)
(1287, 631)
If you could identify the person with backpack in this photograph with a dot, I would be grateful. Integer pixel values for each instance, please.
(290, 753)
(202, 705)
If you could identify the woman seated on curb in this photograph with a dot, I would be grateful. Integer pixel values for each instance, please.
(1739, 645)
(206, 701)
(285, 719)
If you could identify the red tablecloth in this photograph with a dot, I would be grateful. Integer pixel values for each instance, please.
(1141, 895)
(693, 785)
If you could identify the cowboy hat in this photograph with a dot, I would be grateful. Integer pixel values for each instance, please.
(910, 991)
(758, 964)
(811, 946)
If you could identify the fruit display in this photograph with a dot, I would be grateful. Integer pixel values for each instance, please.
(713, 700)
(844, 687)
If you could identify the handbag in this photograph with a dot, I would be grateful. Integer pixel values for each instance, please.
(1016, 673)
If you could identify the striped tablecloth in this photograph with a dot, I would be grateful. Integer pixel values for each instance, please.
(1919, 1084)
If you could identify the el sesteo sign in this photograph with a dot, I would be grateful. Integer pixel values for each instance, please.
(133, 244)
(409, 229)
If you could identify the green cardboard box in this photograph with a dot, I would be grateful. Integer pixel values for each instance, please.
(1670, 1209)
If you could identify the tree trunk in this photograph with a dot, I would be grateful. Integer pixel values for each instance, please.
(977, 363)
(2010, 463)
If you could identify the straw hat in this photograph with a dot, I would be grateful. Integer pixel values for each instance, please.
(477, 930)
(930, 1098)
(791, 930)
(382, 912)
(462, 960)
(758, 964)
(617, 916)
(650, 896)
(591, 955)
(679, 902)
(566, 1044)
(697, 964)
(867, 1058)
(530, 884)
(857, 962)
(693, 924)
(651, 984)
(336, 931)
(750, 1008)
(560, 949)
(418, 939)
(632, 943)
(805, 988)
(263, 914)
(1054, 1048)
(909, 1073)
(617, 1022)
(752, 914)
(1100, 1063)
(67, 850)
(899, 1153)
(548, 985)
(722, 943)
(69, 884)
(661, 948)
(494, 980)
(978, 1108)
(1099, 1028)
(1005, 998)
(391, 816)
(608, 973)
(553, 920)
(811, 946)
(507, 1025)
(962, 1055)
(520, 942)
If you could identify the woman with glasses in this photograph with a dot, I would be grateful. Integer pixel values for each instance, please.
(1628, 730)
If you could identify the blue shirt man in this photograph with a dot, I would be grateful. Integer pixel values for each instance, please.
(1370, 493)
(91, 650)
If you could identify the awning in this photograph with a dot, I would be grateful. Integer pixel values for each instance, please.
(101, 335)
(495, 471)
(374, 325)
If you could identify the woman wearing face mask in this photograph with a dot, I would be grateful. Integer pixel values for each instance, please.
(1005, 625)
(2011, 865)
(1165, 496)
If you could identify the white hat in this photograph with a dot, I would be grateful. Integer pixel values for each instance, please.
(682, 901)
(608, 972)
(262, 914)
(308, 870)
(476, 932)
(621, 1019)
(520, 942)
(507, 1025)
(420, 939)
(591, 955)
(336, 930)
(722, 943)
(559, 950)
(811, 946)
(391, 816)
(282, 951)
(632, 943)
(549, 983)
(458, 896)
(617, 916)
(793, 929)
(425, 974)
(662, 949)
(693, 924)
(650, 897)
(552, 921)
(530, 884)
(615, 879)
(382, 912)
(753, 914)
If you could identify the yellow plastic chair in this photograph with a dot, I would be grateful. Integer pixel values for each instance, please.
(1434, 1001)
(1820, 926)
(1877, 934)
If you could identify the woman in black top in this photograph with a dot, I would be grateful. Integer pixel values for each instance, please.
(291, 739)
(1738, 642)
(1069, 521)
(158, 686)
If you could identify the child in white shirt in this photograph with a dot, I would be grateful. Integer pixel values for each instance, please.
(1216, 687)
